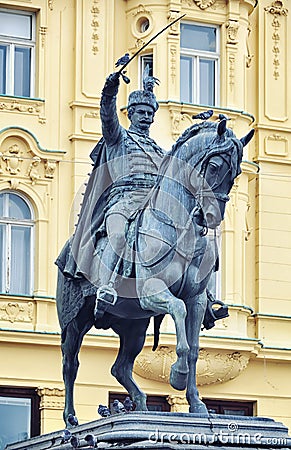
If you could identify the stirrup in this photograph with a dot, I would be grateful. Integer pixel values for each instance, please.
(107, 294)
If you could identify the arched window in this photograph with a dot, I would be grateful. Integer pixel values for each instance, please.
(16, 244)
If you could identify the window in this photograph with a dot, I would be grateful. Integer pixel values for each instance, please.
(17, 44)
(199, 64)
(154, 402)
(16, 239)
(146, 60)
(20, 415)
(230, 408)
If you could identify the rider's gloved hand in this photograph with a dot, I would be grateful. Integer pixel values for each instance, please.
(111, 84)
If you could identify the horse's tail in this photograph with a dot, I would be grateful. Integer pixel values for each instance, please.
(157, 323)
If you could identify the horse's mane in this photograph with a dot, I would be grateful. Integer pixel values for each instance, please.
(206, 131)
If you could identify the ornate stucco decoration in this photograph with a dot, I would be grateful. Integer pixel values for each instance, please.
(276, 9)
(173, 60)
(139, 43)
(249, 56)
(51, 4)
(232, 27)
(51, 398)
(22, 160)
(214, 366)
(178, 403)
(16, 160)
(204, 4)
(24, 106)
(142, 24)
(42, 34)
(276, 145)
(141, 9)
(95, 25)
(174, 29)
(231, 70)
(16, 312)
(13, 160)
(179, 121)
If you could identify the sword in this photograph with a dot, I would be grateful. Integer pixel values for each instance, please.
(144, 46)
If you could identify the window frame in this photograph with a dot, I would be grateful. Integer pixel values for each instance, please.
(11, 42)
(196, 55)
(9, 222)
(28, 393)
(219, 406)
(142, 66)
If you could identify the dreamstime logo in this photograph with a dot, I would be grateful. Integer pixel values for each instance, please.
(171, 227)
(220, 437)
(232, 426)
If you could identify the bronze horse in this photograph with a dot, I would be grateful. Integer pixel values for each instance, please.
(171, 263)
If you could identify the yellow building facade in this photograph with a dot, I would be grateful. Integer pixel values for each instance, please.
(229, 55)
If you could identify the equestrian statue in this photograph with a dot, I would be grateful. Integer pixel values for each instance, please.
(140, 247)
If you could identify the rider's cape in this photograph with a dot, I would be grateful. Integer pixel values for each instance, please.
(76, 257)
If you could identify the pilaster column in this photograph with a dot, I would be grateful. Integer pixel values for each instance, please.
(52, 401)
(178, 403)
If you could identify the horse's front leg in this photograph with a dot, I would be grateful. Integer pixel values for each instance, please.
(156, 296)
(196, 310)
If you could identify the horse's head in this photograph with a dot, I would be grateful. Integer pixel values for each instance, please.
(215, 154)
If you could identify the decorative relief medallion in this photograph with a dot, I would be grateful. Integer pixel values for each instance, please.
(95, 25)
(16, 312)
(213, 366)
(232, 27)
(277, 10)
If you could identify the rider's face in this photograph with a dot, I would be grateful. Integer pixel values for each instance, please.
(142, 117)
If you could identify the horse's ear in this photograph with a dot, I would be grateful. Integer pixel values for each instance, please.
(221, 129)
(246, 139)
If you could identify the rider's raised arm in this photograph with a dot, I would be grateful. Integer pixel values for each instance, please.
(111, 128)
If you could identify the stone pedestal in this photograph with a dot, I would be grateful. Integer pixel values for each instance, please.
(168, 431)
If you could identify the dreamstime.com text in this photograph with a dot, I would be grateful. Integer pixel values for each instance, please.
(222, 437)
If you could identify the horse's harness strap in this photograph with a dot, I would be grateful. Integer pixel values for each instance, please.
(174, 246)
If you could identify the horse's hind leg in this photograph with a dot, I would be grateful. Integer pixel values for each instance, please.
(132, 336)
(71, 342)
(157, 297)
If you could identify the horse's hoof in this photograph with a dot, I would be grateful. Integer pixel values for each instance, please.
(199, 408)
(140, 403)
(178, 380)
